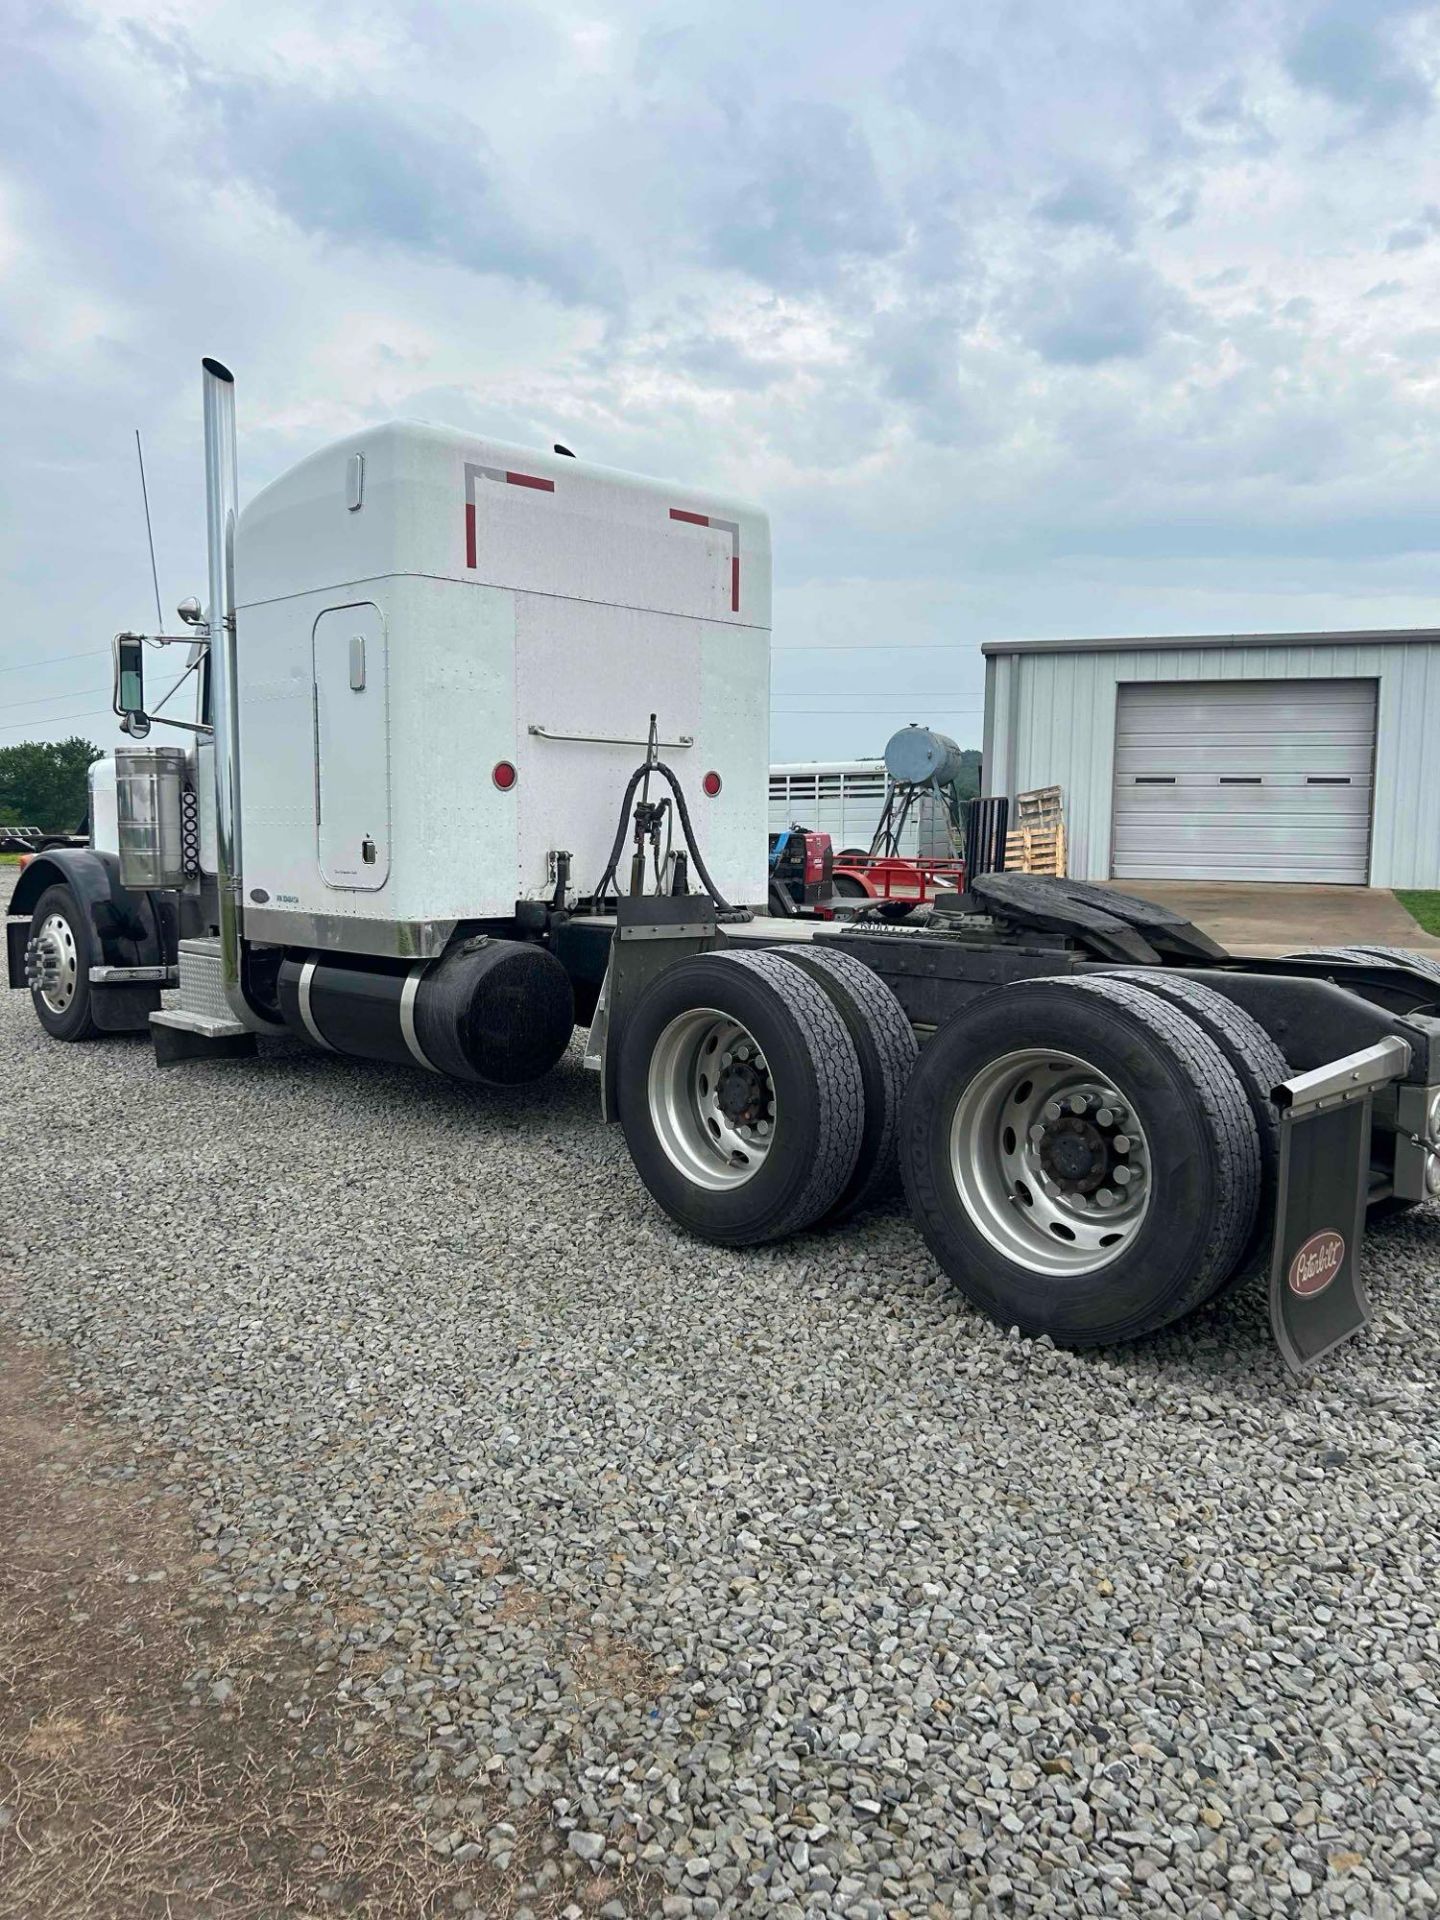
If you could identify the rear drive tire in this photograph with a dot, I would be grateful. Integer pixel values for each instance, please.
(741, 1097)
(58, 964)
(1259, 1066)
(1422, 962)
(991, 1118)
(885, 1047)
(1349, 956)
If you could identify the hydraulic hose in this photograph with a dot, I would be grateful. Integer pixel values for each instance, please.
(619, 841)
(701, 870)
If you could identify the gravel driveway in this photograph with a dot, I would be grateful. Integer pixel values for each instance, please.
(783, 1574)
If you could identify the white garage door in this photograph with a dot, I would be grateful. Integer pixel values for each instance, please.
(1244, 780)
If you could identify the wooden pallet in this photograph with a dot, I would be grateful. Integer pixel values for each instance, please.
(1030, 849)
(1041, 807)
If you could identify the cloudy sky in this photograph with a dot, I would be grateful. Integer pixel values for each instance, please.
(1020, 318)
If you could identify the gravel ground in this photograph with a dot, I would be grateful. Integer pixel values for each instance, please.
(783, 1575)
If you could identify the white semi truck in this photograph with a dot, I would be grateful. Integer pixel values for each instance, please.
(477, 753)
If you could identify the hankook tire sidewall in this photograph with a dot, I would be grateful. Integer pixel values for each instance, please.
(1170, 1241)
(752, 1211)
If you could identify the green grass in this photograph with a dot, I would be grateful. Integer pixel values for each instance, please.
(1423, 904)
(9, 859)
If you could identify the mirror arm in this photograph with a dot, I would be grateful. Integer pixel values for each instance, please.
(186, 726)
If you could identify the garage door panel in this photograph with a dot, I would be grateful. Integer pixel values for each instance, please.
(1246, 708)
(1244, 780)
(1294, 759)
(1250, 703)
(1262, 793)
(1294, 812)
(1199, 862)
(1202, 754)
(1247, 720)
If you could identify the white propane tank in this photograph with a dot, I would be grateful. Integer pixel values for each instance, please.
(917, 755)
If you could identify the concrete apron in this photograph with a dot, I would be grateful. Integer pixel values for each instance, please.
(1275, 918)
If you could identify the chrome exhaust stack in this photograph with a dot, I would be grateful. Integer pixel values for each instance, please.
(222, 494)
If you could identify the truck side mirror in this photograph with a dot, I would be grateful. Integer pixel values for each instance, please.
(130, 684)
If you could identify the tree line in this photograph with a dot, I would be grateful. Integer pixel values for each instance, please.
(43, 784)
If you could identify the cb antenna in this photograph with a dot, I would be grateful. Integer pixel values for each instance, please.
(149, 533)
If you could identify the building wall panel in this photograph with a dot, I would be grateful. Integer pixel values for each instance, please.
(1050, 719)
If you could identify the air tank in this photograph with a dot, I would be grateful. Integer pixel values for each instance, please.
(917, 755)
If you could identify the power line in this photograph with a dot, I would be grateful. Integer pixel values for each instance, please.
(907, 697)
(55, 660)
(861, 713)
(55, 719)
(878, 646)
(48, 699)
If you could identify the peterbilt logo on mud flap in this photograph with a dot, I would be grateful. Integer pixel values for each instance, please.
(1316, 1263)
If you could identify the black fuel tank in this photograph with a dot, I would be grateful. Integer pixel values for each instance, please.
(496, 1011)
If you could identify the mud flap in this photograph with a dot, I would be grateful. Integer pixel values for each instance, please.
(1317, 1298)
(651, 933)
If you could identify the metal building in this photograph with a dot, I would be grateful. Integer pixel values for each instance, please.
(1304, 756)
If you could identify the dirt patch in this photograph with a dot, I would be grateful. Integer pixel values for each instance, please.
(442, 1512)
(158, 1759)
(606, 1663)
(599, 1661)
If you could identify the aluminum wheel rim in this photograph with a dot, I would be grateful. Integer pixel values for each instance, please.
(1020, 1130)
(702, 1064)
(59, 962)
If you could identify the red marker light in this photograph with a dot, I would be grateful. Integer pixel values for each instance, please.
(504, 775)
(711, 784)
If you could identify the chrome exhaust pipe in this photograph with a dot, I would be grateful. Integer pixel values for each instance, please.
(222, 494)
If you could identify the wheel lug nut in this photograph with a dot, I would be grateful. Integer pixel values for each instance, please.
(1105, 1117)
(1121, 1143)
(1124, 1175)
(1037, 1132)
(1054, 1110)
(1078, 1103)
(1105, 1197)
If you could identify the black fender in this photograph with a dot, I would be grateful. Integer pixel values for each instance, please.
(123, 928)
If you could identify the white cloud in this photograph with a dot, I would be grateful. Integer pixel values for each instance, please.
(1017, 323)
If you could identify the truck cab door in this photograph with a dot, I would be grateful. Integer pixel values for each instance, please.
(352, 748)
